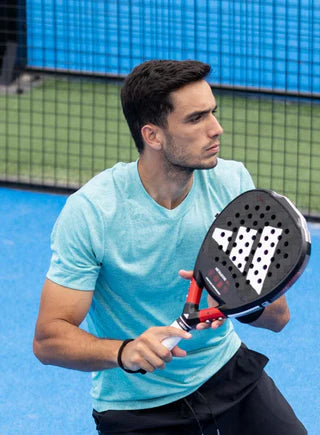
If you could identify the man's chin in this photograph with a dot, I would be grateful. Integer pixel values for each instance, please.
(208, 165)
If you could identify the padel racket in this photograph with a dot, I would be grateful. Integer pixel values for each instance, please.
(256, 248)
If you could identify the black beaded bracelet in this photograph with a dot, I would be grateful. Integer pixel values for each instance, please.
(124, 343)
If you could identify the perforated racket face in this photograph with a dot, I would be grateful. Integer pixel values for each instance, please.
(255, 249)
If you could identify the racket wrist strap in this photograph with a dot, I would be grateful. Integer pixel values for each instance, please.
(249, 318)
(119, 360)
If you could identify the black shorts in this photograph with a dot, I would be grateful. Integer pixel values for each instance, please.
(241, 399)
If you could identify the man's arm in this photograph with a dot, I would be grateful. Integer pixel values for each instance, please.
(59, 341)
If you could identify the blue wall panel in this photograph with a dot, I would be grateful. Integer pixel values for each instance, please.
(273, 44)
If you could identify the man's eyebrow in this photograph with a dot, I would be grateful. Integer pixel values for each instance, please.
(200, 113)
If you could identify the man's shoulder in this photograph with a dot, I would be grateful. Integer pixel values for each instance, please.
(226, 171)
(227, 166)
(117, 174)
(104, 191)
(109, 181)
(226, 180)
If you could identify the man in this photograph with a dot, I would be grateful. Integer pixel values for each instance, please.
(117, 247)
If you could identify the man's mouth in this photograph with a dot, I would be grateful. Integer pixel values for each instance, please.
(215, 147)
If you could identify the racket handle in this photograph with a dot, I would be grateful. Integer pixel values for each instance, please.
(171, 342)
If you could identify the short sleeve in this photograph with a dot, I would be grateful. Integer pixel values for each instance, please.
(77, 245)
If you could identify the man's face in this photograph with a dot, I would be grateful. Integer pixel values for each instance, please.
(192, 137)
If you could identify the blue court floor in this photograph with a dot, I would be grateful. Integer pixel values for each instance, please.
(37, 399)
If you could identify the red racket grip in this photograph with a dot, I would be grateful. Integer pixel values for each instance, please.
(194, 292)
(211, 314)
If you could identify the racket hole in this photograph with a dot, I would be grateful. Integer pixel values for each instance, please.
(266, 252)
(239, 266)
(256, 272)
(217, 259)
(259, 281)
(230, 268)
(268, 208)
(286, 243)
(223, 234)
(279, 237)
(228, 251)
(241, 237)
(224, 263)
(237, 215)
(242, 221)
(237, 285)
(273, 231)
(229, 224)
(262, 215)
(285, 256)
(266, 238)
(247, 207)
(278, 251)
(255, 223)
(273, 217)
(247, 244)
(272, 245)
(287, 231)
(279, 224)
(251, 266)
(278, 266)
(240, 251)
(258, 259)
(267, 224)
(265, 267)
(250, 216)
(257, 207)
(234, 276)
(269, 274)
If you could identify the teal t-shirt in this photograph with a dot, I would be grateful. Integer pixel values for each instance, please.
(113, 238)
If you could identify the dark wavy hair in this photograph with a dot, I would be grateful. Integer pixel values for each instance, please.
(145, 95)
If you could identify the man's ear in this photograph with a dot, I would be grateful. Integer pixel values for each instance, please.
(152, 136)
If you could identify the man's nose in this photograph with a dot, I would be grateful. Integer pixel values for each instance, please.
(215, 128)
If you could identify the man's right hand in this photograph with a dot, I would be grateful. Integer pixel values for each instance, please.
(148, 353)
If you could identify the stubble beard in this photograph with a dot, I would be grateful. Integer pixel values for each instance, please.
(177, 165)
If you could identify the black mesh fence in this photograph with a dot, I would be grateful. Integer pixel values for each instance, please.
(62, 65)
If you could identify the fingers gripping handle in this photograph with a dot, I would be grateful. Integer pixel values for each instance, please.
(171, 342)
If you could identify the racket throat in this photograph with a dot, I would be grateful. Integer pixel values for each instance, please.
(192, 316)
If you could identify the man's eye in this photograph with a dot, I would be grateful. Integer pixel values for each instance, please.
(196, 118)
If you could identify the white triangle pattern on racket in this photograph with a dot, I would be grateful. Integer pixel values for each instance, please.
(222, 237)
(244, 240)
(262, 258)
(243, 245)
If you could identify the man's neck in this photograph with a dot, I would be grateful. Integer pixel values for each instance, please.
(168, 186)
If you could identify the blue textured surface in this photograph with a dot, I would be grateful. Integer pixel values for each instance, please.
(36, 399)
(272, 44)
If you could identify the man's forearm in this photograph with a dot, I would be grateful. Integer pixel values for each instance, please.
(275, 316)
(66, 345)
